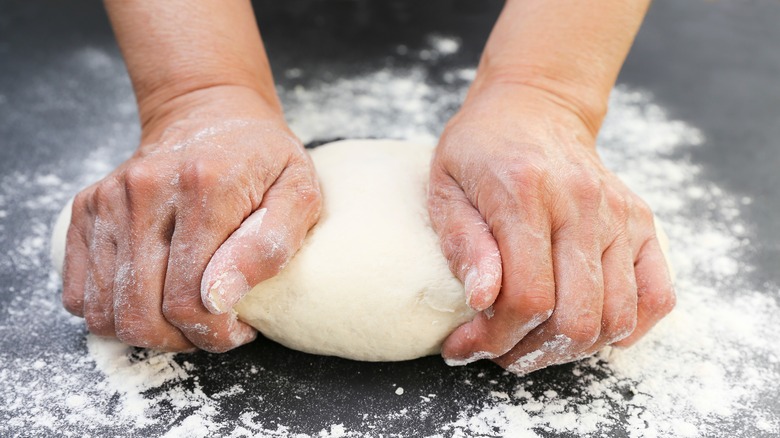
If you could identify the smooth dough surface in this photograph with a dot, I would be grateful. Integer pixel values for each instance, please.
(370, 282)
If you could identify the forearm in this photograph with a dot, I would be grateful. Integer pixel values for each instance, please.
(177, 47)
(570, 50)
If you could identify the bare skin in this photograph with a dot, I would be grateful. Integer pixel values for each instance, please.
(559, 257)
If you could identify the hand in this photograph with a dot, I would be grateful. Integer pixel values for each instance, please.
(560, 257)
(219, 184)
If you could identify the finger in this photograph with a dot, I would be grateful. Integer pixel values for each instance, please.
(527, 296)
(75, 264)
(466, 241)
(142, 259)
(655, 291)
(99, 286)
(576, 323)
(264, 243)
(138, 298)
(618, 319)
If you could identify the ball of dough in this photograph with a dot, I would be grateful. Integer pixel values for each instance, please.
(370, 281)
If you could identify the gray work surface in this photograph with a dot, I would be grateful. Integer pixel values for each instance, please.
(713, 65)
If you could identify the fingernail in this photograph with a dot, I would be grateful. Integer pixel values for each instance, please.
(470, 283)
(225, 291)
(475, 285)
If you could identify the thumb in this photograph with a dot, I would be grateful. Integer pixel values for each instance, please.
(466, 241)
(264, 243)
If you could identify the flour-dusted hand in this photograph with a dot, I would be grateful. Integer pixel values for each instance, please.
(560, 257)
(566, 256)
(218, 197)
(224, 188)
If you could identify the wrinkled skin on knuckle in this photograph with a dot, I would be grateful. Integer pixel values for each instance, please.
(107, 193)
(643, 216)
(276, 252)
(619, 205)
(135, 330)
(199, 175)
(177, 311)
(619, 326)
(439, 196)
(586, 187)
(665, 301)
(73, 304)
(83, 205)
(72, 300)
(528, 177)
(306, 192)
(583, 329)
(453, 239)
(534, 303)
(141, 179)
(99, 324)
(310, 198)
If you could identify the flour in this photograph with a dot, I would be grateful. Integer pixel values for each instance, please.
(708, 369)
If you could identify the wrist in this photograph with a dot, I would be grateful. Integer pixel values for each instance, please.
(158, 102)
(543, 89)
(217, 102)
(177, 48)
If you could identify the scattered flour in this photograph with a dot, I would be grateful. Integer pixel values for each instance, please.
(708, 369)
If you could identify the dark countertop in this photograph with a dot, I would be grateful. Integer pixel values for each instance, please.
(713, 65)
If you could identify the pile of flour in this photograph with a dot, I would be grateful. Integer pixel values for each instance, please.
(709, 364)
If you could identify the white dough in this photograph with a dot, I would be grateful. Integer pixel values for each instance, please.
(370, 282)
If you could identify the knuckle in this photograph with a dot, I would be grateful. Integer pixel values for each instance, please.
(666, 301)
(199, 174)
(82, 203)
(453, 241)
(133, 330)
(73, 303)
(586, 186)
(99, 324)
(308, 193)
(107, 193)
(537, 303)
(527, 176)
(619, 204)
(493, 347)
(178, 314)
(583, 330)
(642, 212)
(140, 178)
(620, 326)
(276, 250)
(309, 197)
(534, 301)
